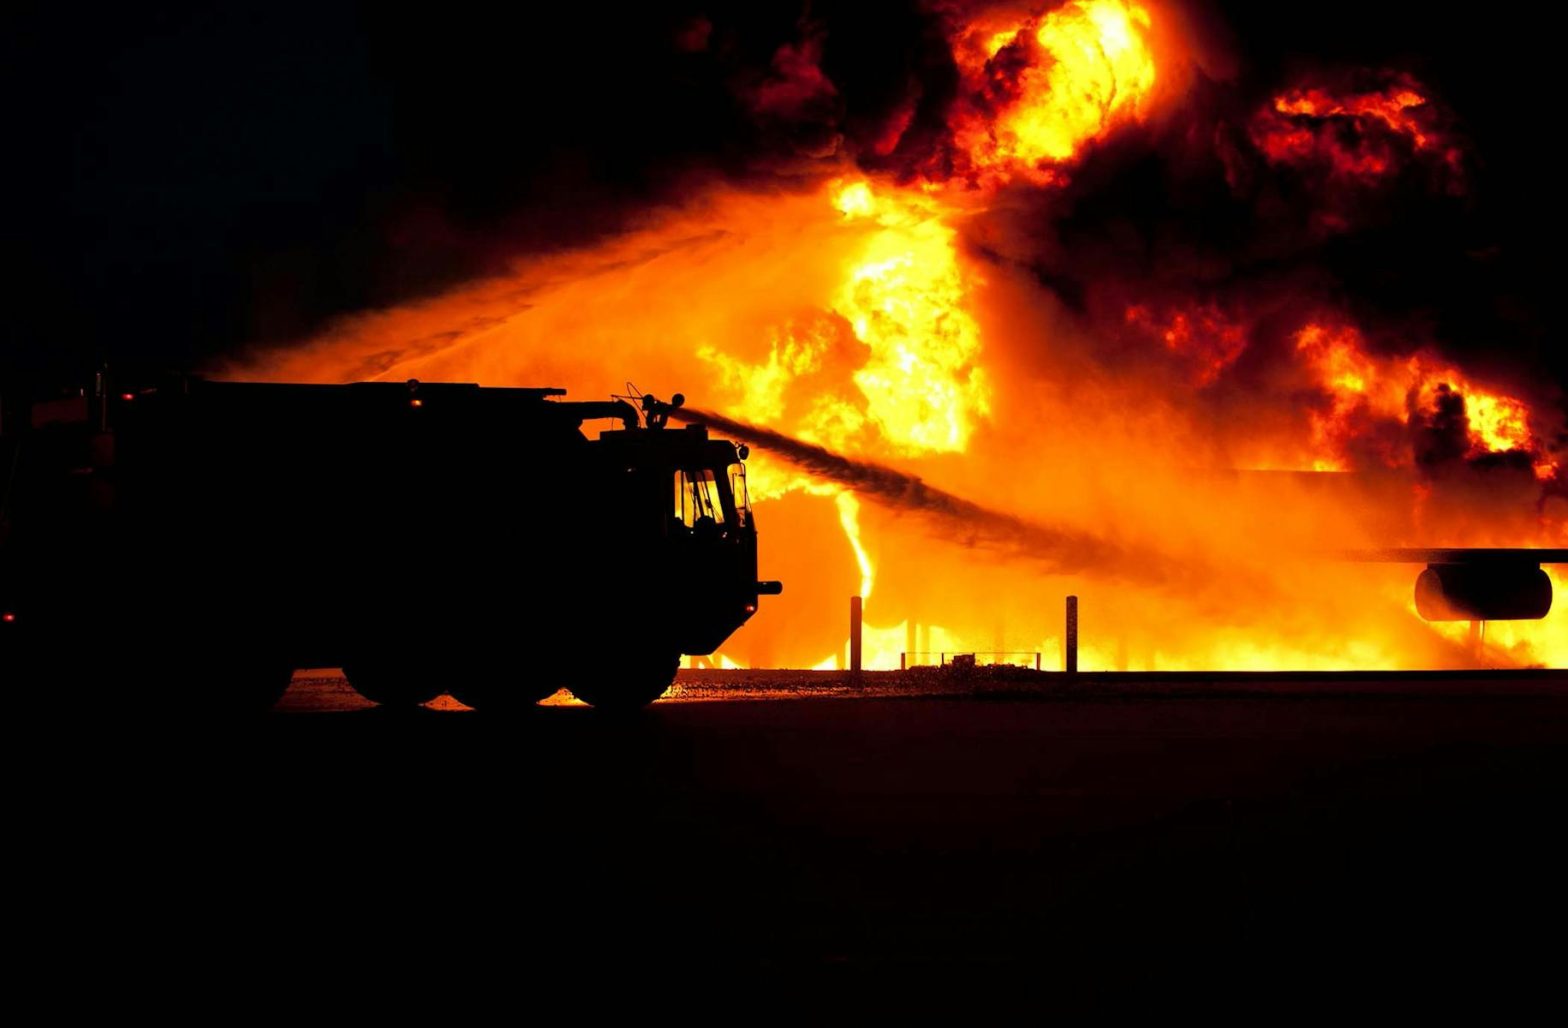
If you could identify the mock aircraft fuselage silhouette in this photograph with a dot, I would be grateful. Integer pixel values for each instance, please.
(424, 537)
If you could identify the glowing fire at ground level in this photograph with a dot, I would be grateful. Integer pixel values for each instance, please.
(909, 644)
(1473, 642)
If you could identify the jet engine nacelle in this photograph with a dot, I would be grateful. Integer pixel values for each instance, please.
(1483, 591)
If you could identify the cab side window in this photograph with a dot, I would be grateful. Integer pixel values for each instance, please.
(697, 497)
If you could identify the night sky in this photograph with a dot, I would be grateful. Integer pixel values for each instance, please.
(186, 180)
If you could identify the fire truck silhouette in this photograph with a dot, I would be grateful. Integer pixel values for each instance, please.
(212, 537)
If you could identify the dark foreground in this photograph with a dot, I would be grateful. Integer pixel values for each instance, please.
(1353, 850)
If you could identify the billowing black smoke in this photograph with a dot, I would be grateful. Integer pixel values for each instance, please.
(191, 182)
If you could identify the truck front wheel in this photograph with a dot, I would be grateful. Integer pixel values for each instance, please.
(625, 683)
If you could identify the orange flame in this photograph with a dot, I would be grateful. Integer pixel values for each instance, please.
(901, 300)
(1048, 86)
(849, 517)
(1356, 134)
(1203, 334)
(1362, 386)
(905, 299)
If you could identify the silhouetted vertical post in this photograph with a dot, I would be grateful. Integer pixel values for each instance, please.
(1070, 647)
(854, 633)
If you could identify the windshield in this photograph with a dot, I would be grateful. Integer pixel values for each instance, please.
(698, 498)
(738, 490)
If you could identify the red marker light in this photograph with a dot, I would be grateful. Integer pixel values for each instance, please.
(751, 608)
(416, 402)
(127, 396)
(8, 617)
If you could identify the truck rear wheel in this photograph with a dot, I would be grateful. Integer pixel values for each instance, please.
(625, 683)
(394, 685)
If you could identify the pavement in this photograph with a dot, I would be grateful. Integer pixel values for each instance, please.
(1389, 845)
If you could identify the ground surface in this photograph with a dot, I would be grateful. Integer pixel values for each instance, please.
(1218, 842)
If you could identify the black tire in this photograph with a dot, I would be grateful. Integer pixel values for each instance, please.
(393, 685)
(627, 683)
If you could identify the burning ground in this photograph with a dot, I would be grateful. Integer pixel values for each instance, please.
(1082, 301)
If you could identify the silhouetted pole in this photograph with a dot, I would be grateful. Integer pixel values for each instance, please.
(1070, 647)
(854, 633)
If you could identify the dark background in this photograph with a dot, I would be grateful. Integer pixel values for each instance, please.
(182, 180)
